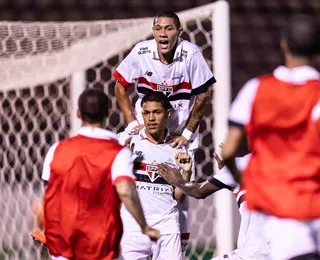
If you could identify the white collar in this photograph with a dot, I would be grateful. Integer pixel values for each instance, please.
(297, 75)
(96, 132)
(143, 135)
(177, 54)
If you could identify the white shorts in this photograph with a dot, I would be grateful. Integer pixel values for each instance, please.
(291, 238)
(139, 247)
(251, 243)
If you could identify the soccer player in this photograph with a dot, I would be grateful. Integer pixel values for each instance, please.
(158, 198)
(177, 68)
(279, 113)
(249, 245)
(88, 176)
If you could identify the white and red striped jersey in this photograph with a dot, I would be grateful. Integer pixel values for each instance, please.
(156, 195)
(187, 76)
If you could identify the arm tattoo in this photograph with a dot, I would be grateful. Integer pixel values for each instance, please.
(201, 103)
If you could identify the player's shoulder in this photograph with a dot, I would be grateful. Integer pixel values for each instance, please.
(189, 47)
(128, 136)
(144, 47)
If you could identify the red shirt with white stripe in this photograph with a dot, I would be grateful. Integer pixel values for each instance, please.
(280, 113)
(181, 80)
(81, 206)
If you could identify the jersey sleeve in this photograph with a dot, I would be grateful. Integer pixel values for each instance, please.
(123, 137)
(241, 107)
(122, 167)
(201, 77)
(224, 179)
(127, 72)
(47, 161)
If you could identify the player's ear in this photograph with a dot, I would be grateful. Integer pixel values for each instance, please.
(153, 31)
(169, 112)
(284, 45)
(180, 31)
(79, 113)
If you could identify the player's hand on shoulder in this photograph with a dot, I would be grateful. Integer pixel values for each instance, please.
(184, 161)
(177, 141)
(153, 234)
(137, 128)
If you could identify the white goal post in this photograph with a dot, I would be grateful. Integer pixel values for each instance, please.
(44, 68)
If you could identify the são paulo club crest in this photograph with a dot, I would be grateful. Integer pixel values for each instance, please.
(167, 90)
(152, 171)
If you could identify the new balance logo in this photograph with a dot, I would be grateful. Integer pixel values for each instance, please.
(148, 73)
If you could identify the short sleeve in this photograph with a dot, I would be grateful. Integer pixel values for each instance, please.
(127, 71)
(224, 178)
(123, 136)
(242, 162)
(122, 167)
(241, 107)
(47, 161)
(201, 77)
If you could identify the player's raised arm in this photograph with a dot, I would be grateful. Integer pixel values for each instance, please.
(229, 149)
(184, 161)
(196, 190)
(126, 107)
(196, 114)
(181, 181)
(124, 102)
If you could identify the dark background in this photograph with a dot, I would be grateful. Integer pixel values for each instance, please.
(255, 24)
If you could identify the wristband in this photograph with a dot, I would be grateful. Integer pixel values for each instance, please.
(133, 124)
(187, 134)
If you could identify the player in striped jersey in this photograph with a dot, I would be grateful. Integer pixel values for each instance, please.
(177, 68)
(158, 198)
(250, 246)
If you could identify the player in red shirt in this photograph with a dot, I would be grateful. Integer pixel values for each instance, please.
(89, 175)
(280, 113)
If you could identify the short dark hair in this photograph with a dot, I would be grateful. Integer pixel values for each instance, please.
(159, 97)
(302, 36)
(93, 105)
(168, 14)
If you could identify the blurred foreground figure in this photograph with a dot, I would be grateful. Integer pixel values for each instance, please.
(88, 176)
(280, 114)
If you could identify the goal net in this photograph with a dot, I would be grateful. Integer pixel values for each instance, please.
(44, 67)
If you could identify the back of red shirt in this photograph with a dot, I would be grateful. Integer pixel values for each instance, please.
(82, 208)
(283, 175)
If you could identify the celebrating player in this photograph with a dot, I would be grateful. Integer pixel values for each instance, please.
(158, 198)
(279, 113)
(249, 245)
(88, 176)
(177, 68)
